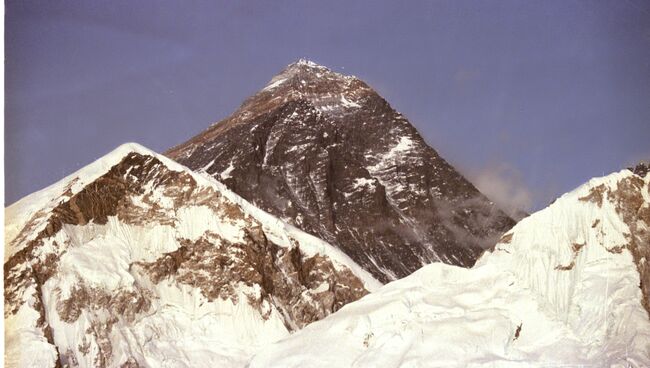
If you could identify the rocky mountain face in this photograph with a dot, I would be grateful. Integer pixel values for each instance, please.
(329, 155)
(566, 287)
(136, 261)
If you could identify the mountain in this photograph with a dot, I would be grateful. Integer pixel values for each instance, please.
(327, 154)
(567, 286)
(136, 261)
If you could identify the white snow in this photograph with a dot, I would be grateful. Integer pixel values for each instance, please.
(309, 63)
(391, 158)
(182, 328)
(347, 103)
(207, 166)
(225, 174)
(405, 143)
(195, 221)
(362, 182)
(23, 347)
(274, 84)
(513, 309)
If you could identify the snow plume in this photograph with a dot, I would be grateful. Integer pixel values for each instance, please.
(504, 184)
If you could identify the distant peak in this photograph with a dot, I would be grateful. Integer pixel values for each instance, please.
(304, 68)
(307, 63)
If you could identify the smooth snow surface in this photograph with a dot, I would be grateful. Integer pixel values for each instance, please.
(523, 305)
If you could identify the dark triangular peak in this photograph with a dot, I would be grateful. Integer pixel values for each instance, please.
(327, 153)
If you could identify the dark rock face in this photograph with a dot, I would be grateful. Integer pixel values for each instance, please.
(328, 154)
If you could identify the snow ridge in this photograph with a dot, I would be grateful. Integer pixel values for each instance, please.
(560, 289)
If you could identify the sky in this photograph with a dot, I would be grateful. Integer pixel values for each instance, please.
(529, 99)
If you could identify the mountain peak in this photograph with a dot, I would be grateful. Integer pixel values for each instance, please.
(307, 63)
(305, 66)
(349, 169)
(306, 71)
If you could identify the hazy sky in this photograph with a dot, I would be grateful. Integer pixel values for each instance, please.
(529, 99)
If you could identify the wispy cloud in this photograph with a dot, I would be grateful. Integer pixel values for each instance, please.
(504, 185)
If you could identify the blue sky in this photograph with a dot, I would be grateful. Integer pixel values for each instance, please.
(529, 99)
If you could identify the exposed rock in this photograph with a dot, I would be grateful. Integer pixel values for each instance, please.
(306, 288)
(124, 303)
(635, 211)
(328, 154)
(595, 195)
(506, 238)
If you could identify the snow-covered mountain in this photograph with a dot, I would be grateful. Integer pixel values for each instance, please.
(568, 286)
(328, 154)
(136, 261)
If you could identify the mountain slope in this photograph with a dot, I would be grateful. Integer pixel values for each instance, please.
(567, 286)
(137, 261)
(326, 153)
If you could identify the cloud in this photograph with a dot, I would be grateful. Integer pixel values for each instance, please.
(504, 185)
